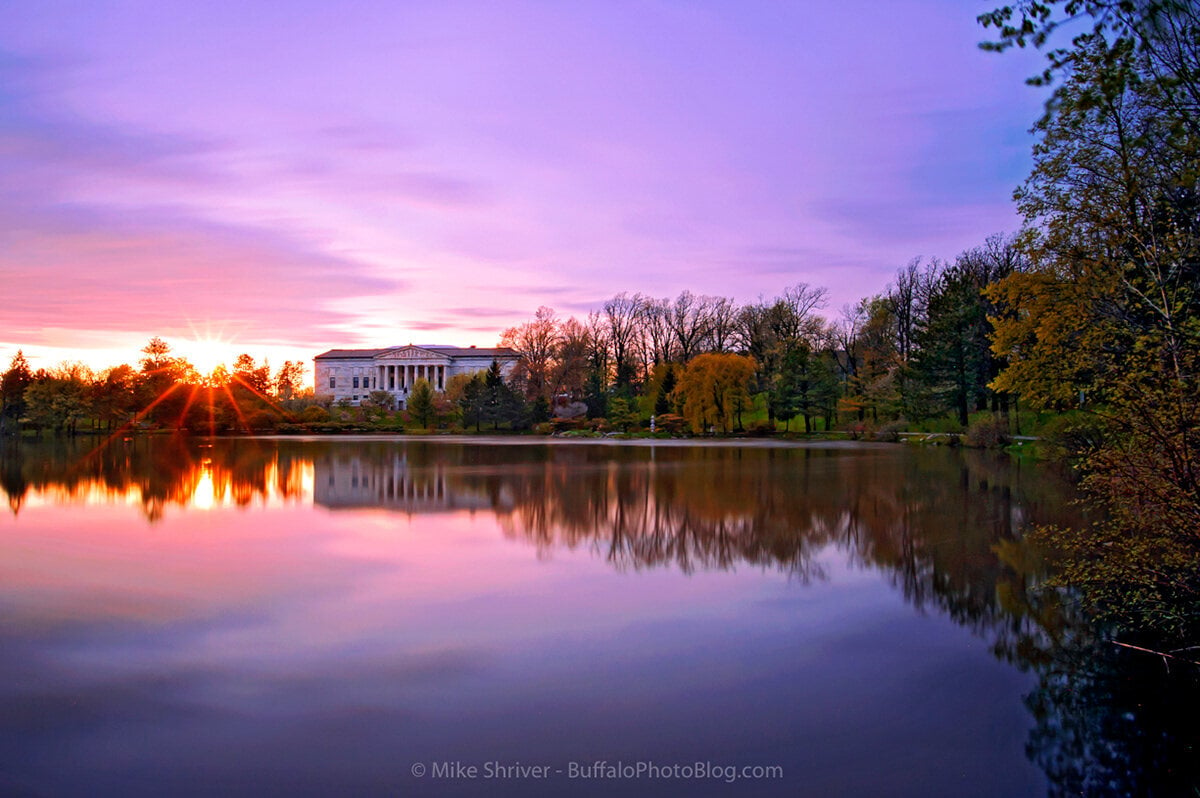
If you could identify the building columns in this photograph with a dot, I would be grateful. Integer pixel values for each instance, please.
(402, 376)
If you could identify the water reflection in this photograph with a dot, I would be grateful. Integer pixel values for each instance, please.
(943, 528)
(153, 473)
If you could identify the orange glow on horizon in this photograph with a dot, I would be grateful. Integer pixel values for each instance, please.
(204, 351)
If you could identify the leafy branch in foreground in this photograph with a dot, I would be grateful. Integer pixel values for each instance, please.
(1105, 316)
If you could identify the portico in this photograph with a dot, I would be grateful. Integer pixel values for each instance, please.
(353, 374)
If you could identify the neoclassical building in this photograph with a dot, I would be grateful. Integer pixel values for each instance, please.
(351, 374)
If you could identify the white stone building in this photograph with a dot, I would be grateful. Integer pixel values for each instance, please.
(352, 374)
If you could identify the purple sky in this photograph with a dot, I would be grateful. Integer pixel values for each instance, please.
(288, 177)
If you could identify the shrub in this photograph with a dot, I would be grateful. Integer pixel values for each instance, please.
(858, 429)
(889, 432)
(332, 426)
(315, 413)
(670, 423)
(263, 420)
(1074, 437)
(989, 433)
(569, 424)
(760, 428)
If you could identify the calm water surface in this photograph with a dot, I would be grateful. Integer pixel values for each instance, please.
(316, 617)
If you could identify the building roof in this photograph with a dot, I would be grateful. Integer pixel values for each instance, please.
(448, 351)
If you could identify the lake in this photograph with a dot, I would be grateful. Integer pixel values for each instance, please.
(521, 617)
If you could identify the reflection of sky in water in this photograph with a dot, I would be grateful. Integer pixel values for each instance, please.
(287, 647)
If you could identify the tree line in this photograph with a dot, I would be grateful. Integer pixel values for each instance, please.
(164, 390)
(918, 350)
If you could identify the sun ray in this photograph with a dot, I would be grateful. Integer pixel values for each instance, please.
(270, 401)
(236, 407)
(127, 426)
(188, 405)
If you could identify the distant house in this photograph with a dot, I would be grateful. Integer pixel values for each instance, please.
(352, 374)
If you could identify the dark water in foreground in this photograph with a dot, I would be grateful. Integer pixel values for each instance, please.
(250, 617)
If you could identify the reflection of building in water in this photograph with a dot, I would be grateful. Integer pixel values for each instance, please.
(392, 482)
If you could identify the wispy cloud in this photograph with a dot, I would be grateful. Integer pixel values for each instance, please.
(90, 237)
(339, 179)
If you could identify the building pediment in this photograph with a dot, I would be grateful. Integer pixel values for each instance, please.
(407, 353)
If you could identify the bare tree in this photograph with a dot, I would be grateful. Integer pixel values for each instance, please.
(538, 342)
(723, 324)
(656, 330)
(689, 322)
(574, 350)
(620, 319)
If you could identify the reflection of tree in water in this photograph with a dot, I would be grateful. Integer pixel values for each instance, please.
(160, 471)
(1109, 722)
(930, 521)
(943, 527)
(686, 508)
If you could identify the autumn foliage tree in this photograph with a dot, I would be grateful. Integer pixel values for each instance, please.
(540, 342)
(1106, 316)
(715, 389)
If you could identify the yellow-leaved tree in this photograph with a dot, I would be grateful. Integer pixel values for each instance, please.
(1106, 316)
(714, 391)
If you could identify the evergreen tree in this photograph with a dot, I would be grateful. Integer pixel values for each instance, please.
(421, 403)
(662, 402)
(473, 401)
(12, 392)
(595, 397)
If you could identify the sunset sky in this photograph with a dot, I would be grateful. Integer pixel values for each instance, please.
(283, 178)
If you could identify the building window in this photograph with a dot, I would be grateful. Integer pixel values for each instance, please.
(355, 397)
(332, 381)
(356, 383)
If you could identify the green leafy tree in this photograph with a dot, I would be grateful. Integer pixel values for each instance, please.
(421, 403)
(161, 396)
(768, 331)
(115, 395)
(954, 359)
(805, 385)
(784, 398)
(620, 415)
(1106, 314)
(58, 403)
